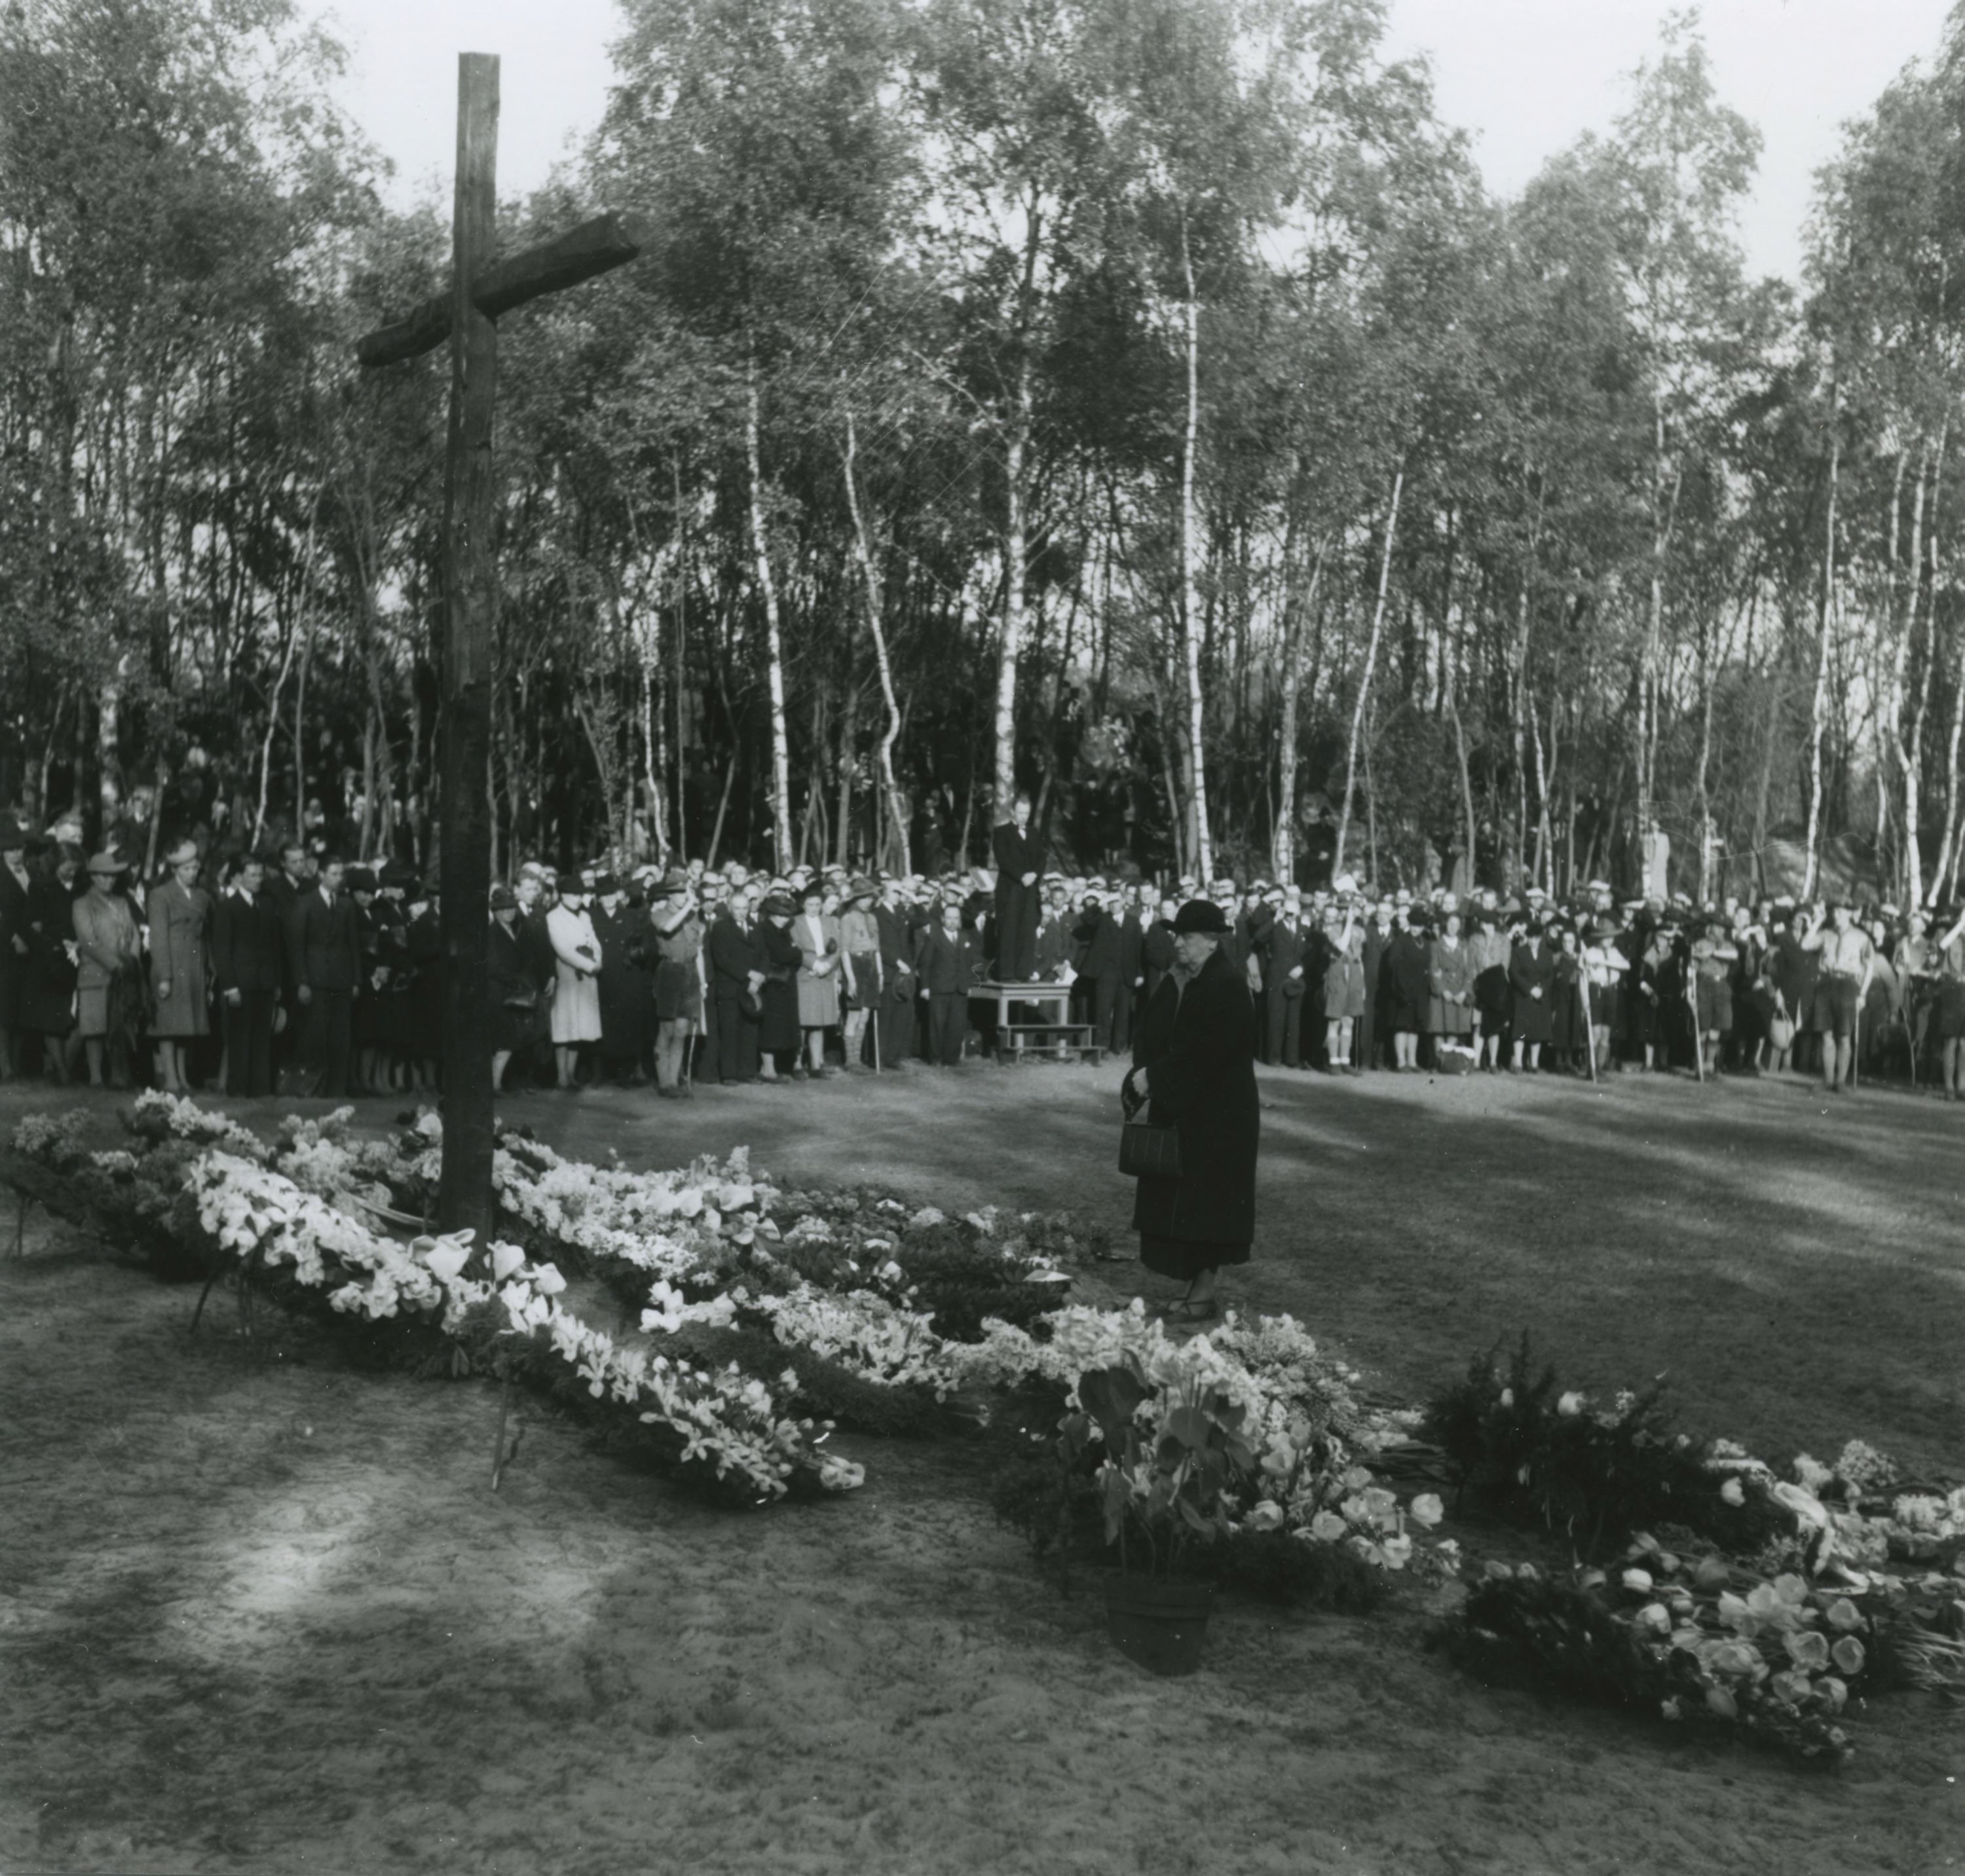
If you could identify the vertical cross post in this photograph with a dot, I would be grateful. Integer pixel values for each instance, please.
(470, 607)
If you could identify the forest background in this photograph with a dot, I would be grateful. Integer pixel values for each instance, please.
(1139, 402)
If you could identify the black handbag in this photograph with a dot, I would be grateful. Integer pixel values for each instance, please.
(1145, 1151)
(1149, 1152)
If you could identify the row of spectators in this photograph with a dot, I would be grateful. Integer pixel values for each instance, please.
(303, 973)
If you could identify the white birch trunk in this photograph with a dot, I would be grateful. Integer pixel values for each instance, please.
(890, 793)
(1819, 708)
(781, 753)
(1190, 601)
(1371, 666)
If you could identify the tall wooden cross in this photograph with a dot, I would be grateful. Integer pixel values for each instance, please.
(481, 288)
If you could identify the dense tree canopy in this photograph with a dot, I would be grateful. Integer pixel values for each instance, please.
(1137, 402)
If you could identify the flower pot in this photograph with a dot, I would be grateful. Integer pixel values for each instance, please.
(1160, 1625)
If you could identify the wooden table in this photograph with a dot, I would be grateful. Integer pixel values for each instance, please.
(1046, 997)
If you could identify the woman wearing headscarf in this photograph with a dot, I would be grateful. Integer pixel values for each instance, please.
(179, 915)
(1194, 1070)
(575, 1007)
(109, 988)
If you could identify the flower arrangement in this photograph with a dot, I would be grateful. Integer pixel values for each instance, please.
(1527, 1447)
(1703, 1639)
(1165, 1485)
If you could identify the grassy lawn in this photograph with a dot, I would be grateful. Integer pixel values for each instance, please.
(259, 1613)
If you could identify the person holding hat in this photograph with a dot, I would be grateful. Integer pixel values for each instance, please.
(179, 912)
(1195, 1070)
(1095, 958)
(109, 991)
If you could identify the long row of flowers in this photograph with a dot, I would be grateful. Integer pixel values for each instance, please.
(959, 1310)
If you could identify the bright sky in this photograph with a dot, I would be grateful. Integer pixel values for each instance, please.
(1526, 76)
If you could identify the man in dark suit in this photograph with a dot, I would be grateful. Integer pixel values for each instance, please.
(1157, 953)
(1096, 958)
(949, 962)
(248, 963)
(1053, 939)
(1132, 966)
(1014, 849)
(736, 976)
(1285, 949)
(324, 960)
(899, 937)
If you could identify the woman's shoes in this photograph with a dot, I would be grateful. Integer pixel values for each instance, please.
(1188, 1309)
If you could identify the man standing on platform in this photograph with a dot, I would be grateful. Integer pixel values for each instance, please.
(324, 957)
(1014, 849)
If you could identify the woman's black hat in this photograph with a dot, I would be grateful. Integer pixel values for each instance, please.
(1200, 915)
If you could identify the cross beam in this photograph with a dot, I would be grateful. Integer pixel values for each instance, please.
(481, 288)
(594, 247)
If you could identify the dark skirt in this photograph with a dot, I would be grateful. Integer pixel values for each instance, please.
(1951, 1008)
(778, 1024)
(1184, 1260)
(1492, 998)
(513, 1029)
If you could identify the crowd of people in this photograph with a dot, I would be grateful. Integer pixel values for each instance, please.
(295, 971)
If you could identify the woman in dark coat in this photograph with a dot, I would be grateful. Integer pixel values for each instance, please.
(778, 1032)
(518, 986)
(47, 993)
(1531, 988)
(1194, 1058)
(1408, 966)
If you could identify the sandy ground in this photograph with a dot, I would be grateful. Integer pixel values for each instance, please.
(260, 1614)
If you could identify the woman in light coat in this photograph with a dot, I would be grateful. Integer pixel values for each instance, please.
(179, 912)
(576, 1006)
(108, 980)
(815, 931)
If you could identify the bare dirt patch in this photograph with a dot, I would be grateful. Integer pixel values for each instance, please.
(260, 1613)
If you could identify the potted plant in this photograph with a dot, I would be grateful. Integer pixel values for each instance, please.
(1162, 1487)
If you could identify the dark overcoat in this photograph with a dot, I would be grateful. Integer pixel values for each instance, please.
(1198, 1049)
(1016, 852)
